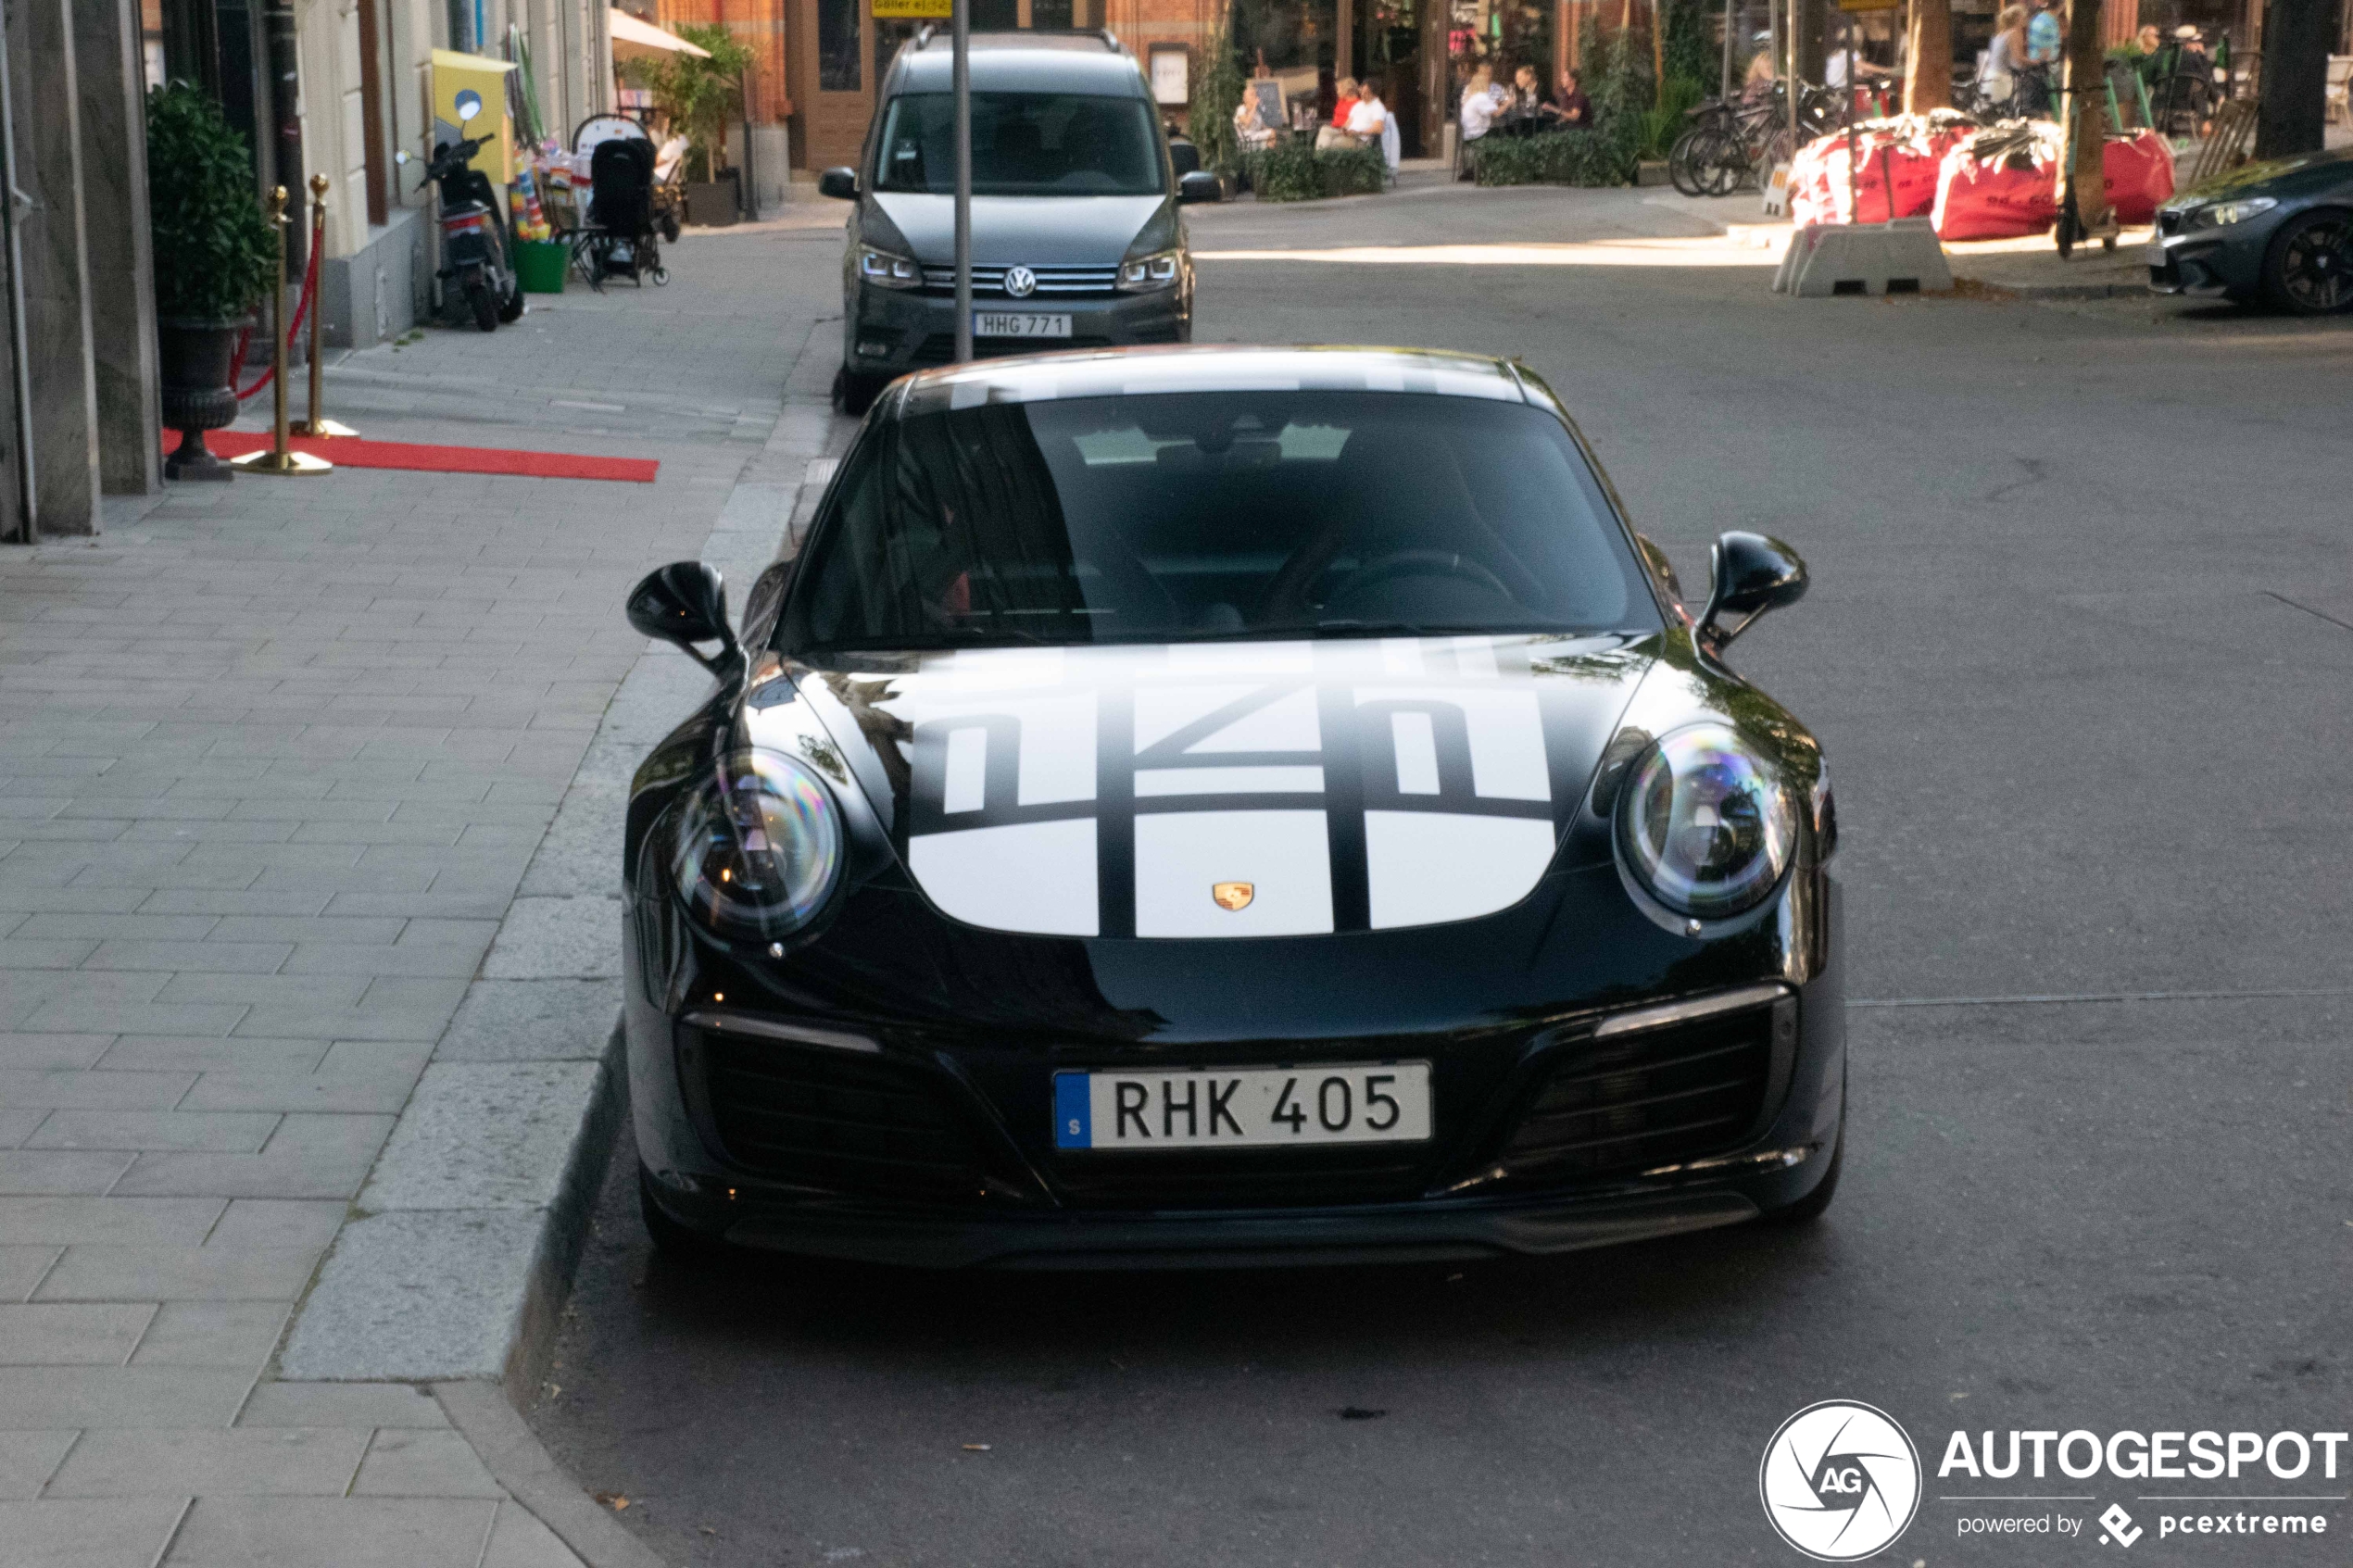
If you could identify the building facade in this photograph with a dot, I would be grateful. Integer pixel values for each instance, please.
(363, 93)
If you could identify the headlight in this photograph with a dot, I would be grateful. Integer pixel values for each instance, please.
(758, 847)
(1144, 273)
(885, 270)
(2222, 215)
(1704, 823)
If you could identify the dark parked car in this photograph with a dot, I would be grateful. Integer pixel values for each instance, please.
(2281, 232)
(1228, 805)
(1075, 238)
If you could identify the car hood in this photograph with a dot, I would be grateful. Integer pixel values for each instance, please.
(1031, 230)
(2288, 177)
(1204, 790)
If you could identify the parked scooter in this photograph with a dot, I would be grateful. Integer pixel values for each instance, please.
(475, 250)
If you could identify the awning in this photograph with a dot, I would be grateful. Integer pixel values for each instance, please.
(631, 37)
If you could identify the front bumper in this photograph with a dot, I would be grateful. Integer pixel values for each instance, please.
(1476, 1195)
(891, 331)
(2207, 265)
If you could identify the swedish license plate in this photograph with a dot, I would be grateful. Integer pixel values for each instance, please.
(1019, 323)
(1388, 1102)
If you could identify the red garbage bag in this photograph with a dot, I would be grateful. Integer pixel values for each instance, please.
(1999, 186)
(2138, 172)
(1896, 164)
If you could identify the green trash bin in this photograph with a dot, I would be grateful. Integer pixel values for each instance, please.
(540, 265)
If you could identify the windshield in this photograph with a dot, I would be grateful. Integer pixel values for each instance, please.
(1023, 144)
(1191, 516)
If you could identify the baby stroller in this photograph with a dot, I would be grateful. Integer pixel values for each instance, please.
(618, 239)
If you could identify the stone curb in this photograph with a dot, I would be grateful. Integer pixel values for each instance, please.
(453, 1269)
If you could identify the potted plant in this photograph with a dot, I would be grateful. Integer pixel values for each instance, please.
(700, 94)
(219, 256)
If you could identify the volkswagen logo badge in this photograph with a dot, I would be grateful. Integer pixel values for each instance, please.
(1020, 281)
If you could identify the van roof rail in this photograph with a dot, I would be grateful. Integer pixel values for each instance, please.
(1111, 40)
(923, 36)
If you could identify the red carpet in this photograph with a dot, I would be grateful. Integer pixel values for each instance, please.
(357, 452)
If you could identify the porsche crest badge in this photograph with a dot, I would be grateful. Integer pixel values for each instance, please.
(1233, 895)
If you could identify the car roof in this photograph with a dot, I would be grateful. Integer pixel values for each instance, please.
(1021, 62)
(1034, 378)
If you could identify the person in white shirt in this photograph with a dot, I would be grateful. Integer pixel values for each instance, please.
(1478, 104)
(1371, 120)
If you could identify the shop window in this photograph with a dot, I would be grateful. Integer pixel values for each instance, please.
(837, 55)
(995, 16)
(1052, 13)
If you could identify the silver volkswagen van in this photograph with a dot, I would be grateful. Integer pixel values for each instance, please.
(1076, 242)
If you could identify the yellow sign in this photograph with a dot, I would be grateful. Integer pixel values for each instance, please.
(939, 10)
(1869, 4)
(482, 85)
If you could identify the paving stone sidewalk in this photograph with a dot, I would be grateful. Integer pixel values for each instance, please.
(277, 754)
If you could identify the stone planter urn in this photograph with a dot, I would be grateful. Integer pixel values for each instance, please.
(195, 364)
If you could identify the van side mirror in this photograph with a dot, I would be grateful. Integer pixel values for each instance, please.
(1201, 185)
(839, 184)
(683, 604)
(1753, 573)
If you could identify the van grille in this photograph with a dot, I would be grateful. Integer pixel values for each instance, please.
(1052, 281)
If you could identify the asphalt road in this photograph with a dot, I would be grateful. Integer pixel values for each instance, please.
(2078, 648)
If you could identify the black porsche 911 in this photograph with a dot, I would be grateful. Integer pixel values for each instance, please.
(1218, 806)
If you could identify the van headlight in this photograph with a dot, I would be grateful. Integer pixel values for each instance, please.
(758, 847)
(1141, 274)
(1704, 823)
(885, 269)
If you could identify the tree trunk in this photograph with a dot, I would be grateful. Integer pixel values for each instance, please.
(2297, 36)
(1928, 57)
(2087, 112)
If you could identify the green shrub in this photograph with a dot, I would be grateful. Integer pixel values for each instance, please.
(701, 95)
(1557, 158)
(1684, 44)
(1292, 170)
(1663, 122)
(1216, 94)
(215, 251)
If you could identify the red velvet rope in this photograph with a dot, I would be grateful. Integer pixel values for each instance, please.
(309, 285)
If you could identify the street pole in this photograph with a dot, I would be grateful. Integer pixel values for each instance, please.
(1725, 91)
(963, 76)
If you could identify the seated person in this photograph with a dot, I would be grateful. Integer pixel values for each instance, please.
(1251, 132)
(1337, 134)
(1479, 105)
(1575, 109)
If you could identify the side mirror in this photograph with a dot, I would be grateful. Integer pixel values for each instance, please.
(685, 603)
(1201, 185)
(839, 184)
(1753, 572)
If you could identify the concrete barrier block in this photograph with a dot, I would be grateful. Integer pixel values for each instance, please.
(1863, 259)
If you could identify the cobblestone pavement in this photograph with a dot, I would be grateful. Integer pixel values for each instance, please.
(277, 754)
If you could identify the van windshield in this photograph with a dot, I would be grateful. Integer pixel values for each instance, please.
(1200, 516)
(1023, 144)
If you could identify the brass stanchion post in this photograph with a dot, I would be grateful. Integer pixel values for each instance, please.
(281, 457)
(314, 425)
